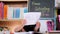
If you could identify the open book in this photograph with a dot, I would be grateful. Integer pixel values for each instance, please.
(32, 17)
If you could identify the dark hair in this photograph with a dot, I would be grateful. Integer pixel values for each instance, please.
(49, 22)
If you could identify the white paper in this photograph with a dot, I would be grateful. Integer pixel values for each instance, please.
(32, 17)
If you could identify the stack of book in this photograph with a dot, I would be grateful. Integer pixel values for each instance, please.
(8, 12)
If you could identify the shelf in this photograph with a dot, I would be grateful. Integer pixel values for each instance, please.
(13, 0)
(11, 19)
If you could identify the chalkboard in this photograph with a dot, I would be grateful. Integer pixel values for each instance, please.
(46, 7)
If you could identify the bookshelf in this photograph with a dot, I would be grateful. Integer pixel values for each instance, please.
(13, 0)
(13, 3)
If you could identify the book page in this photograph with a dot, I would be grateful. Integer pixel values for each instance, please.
(32, 17)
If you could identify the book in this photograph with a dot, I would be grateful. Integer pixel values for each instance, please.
(21, 13)
(1, 10)
(32, 17)
(16, 13)
(10, 13)
(5, 11)
(25, 10)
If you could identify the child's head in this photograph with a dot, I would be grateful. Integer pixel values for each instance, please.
(49, 22)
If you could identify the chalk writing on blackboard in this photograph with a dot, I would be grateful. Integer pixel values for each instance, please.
(46, 7)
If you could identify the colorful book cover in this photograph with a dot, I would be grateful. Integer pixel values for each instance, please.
(10, 13)
(5, 11)
(16, 13)
(25, 10)
(1, 10)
